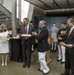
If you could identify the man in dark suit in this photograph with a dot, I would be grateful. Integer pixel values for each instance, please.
(69, 55)
(42, 46)
(26, 28)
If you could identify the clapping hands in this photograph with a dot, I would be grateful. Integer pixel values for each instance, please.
(34, 33)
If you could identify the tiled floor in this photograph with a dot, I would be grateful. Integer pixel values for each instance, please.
(15, 68)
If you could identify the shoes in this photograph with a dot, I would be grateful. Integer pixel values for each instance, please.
(28, 66)
(62, 62)
(2, 64)
(5, 64)
(24, 65)
(45, 73)
(32, 51)
(58, 60)
(65, 73)
(40, 70)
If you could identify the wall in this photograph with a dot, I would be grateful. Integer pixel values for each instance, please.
(24, 9)
(7, 4)
(0, 1)
(38, 12)
(30, 12)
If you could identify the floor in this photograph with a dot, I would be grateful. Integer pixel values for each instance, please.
(15, 68)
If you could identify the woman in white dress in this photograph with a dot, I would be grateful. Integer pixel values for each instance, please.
(4, 46)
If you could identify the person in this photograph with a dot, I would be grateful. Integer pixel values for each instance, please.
(4, 45)
(69, 55)
(54, 31)
(26, 28)
(62, 35)
(43, 47)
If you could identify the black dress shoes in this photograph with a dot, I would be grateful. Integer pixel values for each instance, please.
(28, 66)
(45, 73)
(62, 62)
(58, 60)
(40, 70)
(65, 73)
(24, 65)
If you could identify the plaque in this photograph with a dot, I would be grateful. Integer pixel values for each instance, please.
(26, 35)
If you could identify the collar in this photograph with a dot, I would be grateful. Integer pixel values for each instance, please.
(72, 28)
(27, 25)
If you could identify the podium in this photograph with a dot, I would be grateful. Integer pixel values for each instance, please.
(48, 59)
(16, 50)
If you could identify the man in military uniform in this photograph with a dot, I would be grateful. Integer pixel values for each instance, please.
(62, 35)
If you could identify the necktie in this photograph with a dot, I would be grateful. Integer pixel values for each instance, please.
(26, 30)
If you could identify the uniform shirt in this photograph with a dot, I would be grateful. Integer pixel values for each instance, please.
(63, 34)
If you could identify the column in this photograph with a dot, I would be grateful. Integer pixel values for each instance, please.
(14, 18)
(19, 13)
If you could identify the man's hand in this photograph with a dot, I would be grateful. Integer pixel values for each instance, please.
(59, 38)
(70, 45)
(20, 35)
(34, 33)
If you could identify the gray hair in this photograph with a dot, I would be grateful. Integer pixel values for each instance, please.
(43, 22)
(71, 20)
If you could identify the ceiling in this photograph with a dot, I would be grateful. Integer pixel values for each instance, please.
(52, 4)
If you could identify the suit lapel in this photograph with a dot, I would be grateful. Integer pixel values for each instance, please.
(29, 29)
(23, 29)
(71, 34)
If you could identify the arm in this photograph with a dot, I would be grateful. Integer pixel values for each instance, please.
(58, 35)
(42, 35)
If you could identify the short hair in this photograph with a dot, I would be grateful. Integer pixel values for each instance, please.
(63, 23)
(26, 19)
(71, 20)
(43, 22)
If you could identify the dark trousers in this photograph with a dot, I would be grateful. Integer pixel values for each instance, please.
(69, 63)
(26, 50)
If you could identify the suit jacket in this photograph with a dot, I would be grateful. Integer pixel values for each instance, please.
(70, 40)
(22, 31)
(43, 45)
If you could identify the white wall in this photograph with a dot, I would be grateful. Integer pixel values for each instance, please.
(24, 9)
(30, 12)
(7, 4)
(0, 1)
